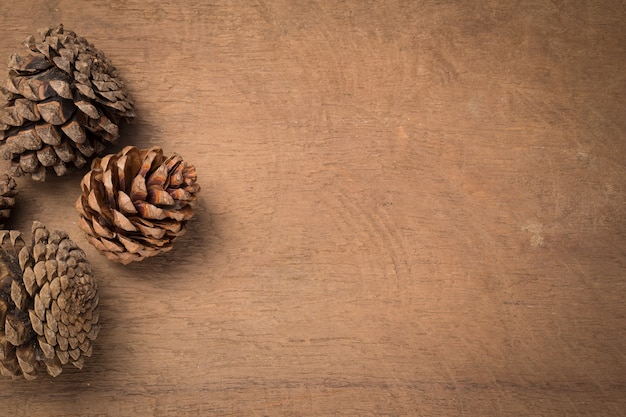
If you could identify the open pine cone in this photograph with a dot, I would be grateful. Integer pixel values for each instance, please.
(48, 304)
(134, 204)
(62, 104)
(7, 198)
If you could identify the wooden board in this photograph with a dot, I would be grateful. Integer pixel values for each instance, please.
(408, 208)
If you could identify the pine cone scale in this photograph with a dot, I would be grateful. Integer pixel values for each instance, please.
(125, 203)
(29, 64)
(55, 110)
(48, 134)
(138, 189)
(26, 357)
(18, 295)
(74, 130)
(16, 330)
(7, 201)
(26, 109)
(88, 109)
(10, 117)
(47, 156)
(28, 140)
(36, 322)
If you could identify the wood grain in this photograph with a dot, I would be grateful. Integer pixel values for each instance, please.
(408, 208)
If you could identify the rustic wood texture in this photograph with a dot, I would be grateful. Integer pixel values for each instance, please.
(408, 208)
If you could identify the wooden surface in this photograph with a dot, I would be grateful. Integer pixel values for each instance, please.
(409, 208)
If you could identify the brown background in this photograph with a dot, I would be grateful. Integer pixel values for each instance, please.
(408, 208)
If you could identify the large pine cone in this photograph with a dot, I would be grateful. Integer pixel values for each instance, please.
(48, 304)
(62, 104)
(134, 204)
(7, 198)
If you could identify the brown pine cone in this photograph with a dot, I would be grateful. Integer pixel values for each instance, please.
(48, 304)
(134, 204)
(7, 198)
(62, 104)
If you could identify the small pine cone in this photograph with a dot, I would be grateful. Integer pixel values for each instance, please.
(48, 304)
(134, 204)
(7, 198)
(62, 104)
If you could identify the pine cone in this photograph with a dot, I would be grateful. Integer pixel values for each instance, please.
(48, 304)
(7, 198)
(134, 204)
(62, 104)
